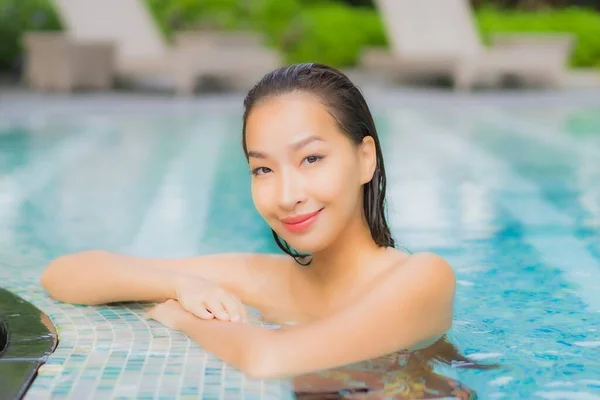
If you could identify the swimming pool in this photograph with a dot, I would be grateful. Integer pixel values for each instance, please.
(508, 194)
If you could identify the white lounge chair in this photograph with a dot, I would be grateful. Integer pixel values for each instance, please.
(142, 52)
(439, 38)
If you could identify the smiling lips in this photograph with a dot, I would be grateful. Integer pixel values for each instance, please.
(300, 223)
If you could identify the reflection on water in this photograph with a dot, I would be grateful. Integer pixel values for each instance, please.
(510, 198)
(400, 375)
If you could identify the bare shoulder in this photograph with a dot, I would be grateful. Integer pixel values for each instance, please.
(429, 267)
(413, 302)
(264, 282)
(257, 279)
(255, 266)
(267, 263)
(429, 260)
(270, 259)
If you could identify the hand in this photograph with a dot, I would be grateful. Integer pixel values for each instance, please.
(206, 300)
(170, 313)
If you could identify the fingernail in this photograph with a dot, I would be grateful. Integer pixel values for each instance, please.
(235, 318)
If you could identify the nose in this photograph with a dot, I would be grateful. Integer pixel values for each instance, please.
(291, 190)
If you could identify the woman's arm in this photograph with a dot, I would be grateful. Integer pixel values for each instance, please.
(413, 305)
(99, 277)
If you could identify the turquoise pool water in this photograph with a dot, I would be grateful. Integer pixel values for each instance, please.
(510, 196)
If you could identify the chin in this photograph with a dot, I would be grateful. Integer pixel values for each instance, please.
(308, 244)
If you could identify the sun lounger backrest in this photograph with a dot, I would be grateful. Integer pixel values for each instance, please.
(126, 22)
(429, 27)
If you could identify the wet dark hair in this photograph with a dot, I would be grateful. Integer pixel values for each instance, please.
(348, 107)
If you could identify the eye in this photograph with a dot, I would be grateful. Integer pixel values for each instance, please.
(260, 170)
(312, 159)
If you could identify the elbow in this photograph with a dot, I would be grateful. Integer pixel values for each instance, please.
(53, 276)
(261, 362)
(259, 369)
(51, 273)
(57, 279)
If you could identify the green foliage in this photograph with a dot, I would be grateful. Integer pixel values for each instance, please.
(17, 16)
(584, 24)
(327, 31)
(278, 20)
(274, 18)
(174, 15)
(334, 34)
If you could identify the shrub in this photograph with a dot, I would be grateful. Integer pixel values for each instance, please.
(583, 23)
(334, 34)
(326, 31)
(174, 15)
(18, 16)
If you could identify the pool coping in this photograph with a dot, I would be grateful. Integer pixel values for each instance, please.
(29, 339)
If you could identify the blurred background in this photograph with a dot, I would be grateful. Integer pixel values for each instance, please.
(342, 33)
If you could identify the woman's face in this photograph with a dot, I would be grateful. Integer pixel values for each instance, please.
(307, 175)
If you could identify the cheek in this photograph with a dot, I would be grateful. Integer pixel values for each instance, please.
(338, 182)
(261, 198)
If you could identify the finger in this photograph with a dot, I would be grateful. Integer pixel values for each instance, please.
(232, 307)
(198, 309)
(217, 309)
(202, 312)
(243, 312)
(240, 308)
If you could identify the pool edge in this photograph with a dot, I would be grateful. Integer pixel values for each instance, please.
(29, 338)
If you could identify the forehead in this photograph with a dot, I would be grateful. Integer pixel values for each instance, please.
(287, 117)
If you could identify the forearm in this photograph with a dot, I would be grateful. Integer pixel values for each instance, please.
(97, 278)
(241, 345)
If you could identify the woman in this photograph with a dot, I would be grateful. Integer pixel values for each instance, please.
(343, 291)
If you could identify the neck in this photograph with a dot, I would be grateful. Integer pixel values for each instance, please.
(337, 266)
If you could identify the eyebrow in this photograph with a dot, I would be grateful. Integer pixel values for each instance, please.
(294, 146)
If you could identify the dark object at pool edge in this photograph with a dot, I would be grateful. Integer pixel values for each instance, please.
(27, 338)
